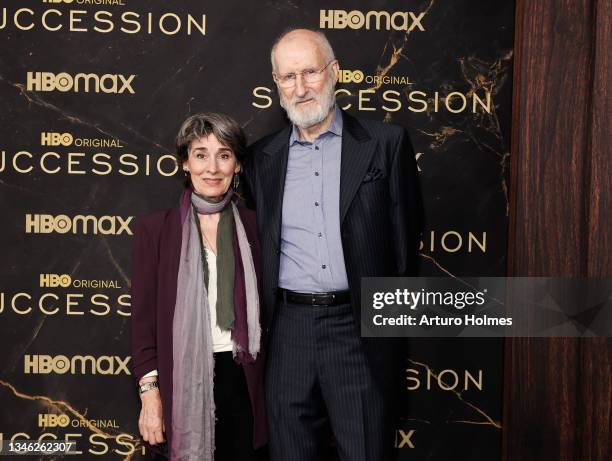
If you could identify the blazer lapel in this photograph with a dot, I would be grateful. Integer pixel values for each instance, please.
(358, 148)
(272, 180)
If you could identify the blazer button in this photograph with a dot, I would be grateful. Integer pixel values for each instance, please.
(277, 252)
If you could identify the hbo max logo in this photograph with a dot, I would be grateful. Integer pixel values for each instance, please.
(79, 224)
(398, 20)
(75, 365)
(64, 82)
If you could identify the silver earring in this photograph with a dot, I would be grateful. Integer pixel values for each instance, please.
(236, 181)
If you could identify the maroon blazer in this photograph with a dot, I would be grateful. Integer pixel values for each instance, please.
(155, 264)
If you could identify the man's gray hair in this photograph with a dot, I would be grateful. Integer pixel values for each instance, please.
(325, 46)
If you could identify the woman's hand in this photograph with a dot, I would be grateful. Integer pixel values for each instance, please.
(151, 421)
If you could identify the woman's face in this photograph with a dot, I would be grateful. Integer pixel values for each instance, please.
(211, 166)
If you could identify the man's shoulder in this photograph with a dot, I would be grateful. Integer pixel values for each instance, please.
(376, 128)
(388, 136)
(264, 141)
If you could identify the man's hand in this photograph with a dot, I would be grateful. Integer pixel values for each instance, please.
(151, 421)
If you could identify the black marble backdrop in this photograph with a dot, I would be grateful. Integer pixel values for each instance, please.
(92, 95)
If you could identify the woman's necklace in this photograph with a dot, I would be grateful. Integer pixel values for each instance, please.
(208, 244)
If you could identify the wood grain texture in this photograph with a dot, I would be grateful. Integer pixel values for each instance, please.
(599, 225)
(558, 392)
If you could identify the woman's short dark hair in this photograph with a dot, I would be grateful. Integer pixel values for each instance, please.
(225, 128)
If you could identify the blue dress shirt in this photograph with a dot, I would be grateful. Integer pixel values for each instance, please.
(312, 259)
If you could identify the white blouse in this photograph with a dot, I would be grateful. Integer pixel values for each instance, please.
(221, 339)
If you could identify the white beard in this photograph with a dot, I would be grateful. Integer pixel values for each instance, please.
(306, 117)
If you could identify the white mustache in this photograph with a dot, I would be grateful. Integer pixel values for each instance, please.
(308, 96)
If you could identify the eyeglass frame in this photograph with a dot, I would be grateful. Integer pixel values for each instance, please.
(277, 78)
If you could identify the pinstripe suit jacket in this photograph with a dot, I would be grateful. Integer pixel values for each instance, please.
(380, 213)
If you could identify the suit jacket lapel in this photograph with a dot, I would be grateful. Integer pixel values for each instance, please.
(272, 180)
(358, 148)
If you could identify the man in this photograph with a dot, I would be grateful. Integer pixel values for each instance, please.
(336, 200)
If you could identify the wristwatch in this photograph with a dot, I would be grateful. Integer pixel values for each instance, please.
(147, 387)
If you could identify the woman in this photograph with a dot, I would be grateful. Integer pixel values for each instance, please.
(195, 307)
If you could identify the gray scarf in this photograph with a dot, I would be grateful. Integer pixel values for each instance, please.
(225, 258)
(193, 405)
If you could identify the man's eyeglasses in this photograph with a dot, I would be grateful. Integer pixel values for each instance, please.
(308, 76)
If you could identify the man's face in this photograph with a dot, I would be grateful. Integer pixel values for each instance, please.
(307, 104)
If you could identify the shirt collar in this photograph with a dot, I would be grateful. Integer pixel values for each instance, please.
(335, 128)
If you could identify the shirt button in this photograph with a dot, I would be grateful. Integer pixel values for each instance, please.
(320, 234)
(316, 203)
(316, 173)
(323, 266)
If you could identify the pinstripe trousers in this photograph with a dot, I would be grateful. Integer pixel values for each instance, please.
(316, 368)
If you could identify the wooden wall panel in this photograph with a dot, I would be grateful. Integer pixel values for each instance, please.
(600, 168)
(558, 392)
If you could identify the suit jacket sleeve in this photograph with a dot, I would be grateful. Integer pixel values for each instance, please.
(248, 173)
(144, 290)
(406, 206)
